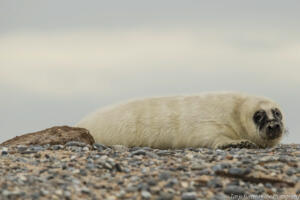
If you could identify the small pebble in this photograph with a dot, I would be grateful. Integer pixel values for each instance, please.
(85, 148)
(189, 196)
(145, 194)
(219, 197)
(165, 196)
(204, 172)
(21, 148)
(119, 148)
(4, 151)
(138, 152)
(75, 143)
(217, 168)
(235, 171)
(36, 148)
(67, 194)
(164, 175)
(197, 166)
(56, 147)
(234, 190)
(163, 152)
(215, 183)
(85, 190)
(290, 171)
(99, 147)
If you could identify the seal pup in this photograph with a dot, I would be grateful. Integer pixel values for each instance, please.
(213, 120)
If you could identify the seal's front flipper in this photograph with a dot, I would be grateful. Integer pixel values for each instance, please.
(238, 144)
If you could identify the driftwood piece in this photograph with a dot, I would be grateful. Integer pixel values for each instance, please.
(54, 135)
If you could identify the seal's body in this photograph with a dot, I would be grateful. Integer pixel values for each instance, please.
(216, 120)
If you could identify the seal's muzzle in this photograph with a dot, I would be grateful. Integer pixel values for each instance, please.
(273, 130)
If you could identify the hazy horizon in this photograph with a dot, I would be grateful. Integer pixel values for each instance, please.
(60, 60)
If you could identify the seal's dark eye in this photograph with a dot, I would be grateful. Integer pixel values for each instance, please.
(277, 114)
(258, 116)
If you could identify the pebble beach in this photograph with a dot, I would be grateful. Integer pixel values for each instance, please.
(80, 171)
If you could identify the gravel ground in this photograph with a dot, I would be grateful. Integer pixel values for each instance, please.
(79, 171)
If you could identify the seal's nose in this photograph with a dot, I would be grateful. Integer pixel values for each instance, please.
(273, 130)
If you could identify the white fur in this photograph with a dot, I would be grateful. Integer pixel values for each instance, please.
(204, 120)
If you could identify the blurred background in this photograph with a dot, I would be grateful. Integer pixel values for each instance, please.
(59, 60)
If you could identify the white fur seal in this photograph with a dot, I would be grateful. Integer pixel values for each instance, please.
(214, 120)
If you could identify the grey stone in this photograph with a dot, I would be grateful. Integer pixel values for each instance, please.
(118, 167)
(67, 194)
(138, 152)
(172, 182)
(75, 143)
(164, 175)
(4, 151)
(146, 194)
(152, 155)
(283, 159)
(235, 171)
(77, 149)
(290, 171)
(56, 147)
(13, 194)
(134, 149)
(234, 190)
(119, 148)
(225, 165)
(131, 188)
(46, 146)
(36, 148)
(35, 195)
(147, 148)
(85, 190)
(151, 181)
(219, 197)
(44, 192)
(204, 172)
(259, 189)
(217, 168)
(215, 183)
(95, 157)
(82, 172)
(121, 194)
(22, 148)
(99, 147)
(197, 166)
(143, 187)
(37, 155)
(85, 148)
(246, 161)
(163, 152)
(165, 196)
(189, 196)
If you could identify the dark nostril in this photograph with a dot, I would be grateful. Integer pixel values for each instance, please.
(273, 127)
(270, 128)
(276, 126)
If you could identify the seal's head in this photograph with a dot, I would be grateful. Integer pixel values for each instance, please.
(264, 121)
(269, 123)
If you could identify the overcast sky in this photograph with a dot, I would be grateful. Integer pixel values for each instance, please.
(59, 60)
